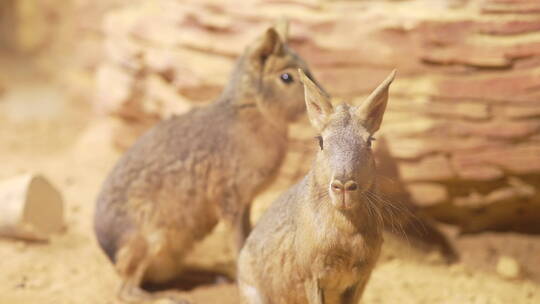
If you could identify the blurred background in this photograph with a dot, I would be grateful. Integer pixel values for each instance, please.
(80, 80)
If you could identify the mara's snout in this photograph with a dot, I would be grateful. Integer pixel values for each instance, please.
(344, 194)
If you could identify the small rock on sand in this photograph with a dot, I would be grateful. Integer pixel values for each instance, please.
(508, 267)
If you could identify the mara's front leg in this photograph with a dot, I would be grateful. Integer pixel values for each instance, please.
(353, 294)
(242, 227)
(236, 213)
(251, 295)
(314, 293)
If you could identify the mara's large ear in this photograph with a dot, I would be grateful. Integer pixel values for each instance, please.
(318, 103)
(371, 111)
(270, 43)
(282, 28)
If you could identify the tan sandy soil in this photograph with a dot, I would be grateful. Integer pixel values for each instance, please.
(43, 130)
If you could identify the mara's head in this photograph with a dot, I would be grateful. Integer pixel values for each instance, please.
(268, 74)
(345, 165)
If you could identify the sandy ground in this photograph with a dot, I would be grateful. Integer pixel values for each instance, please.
(44, 130)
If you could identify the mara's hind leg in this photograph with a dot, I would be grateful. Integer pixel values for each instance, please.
(132, 262)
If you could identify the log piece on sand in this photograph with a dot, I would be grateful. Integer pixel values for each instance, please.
(30, 208)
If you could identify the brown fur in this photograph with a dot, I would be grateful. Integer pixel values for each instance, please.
(189, 172)
(319, 242)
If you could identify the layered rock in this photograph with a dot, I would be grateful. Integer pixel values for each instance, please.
(463, 122)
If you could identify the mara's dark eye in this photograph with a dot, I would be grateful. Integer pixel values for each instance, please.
(369, 140)
(286, 78)
(319, 138)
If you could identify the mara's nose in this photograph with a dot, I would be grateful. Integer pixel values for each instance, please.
(338, 187)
